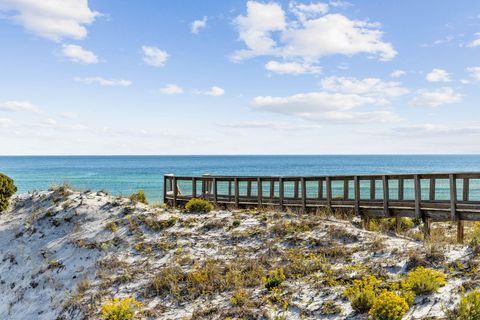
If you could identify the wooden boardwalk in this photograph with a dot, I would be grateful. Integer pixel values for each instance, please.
(430, 197)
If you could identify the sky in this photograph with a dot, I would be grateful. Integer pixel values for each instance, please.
(104, 77)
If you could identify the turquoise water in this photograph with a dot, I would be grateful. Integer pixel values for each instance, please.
(122, 175)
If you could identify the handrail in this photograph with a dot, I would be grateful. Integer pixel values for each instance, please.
(378, 196)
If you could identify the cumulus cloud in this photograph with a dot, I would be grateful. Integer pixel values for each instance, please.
(104, 82)
(292, 67)
(5, 122)
(198, 24)
(77, 54)
(309, 35)
(476, 42)
(338, 100)
(52, 19)
(171, 89)
(154, 56)
(436, 98)
(280, 126)
(213, 91)
(438, 75)
(22, 106)
(397, 73)
(474, 73)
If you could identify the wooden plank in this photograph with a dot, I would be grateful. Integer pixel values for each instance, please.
(295, 189)
(329, 193)
(272, 189)
(432, 189)
(320, 188)
(249, 188)
(372, 189)
(304, 194)
(426, 228)
(229, 189)
(400, 189)
(280, 192)
(165, 190)
(385, 195)
(453, 197)
(215, 188)
(460, 231)
(194, 187)
(237, 191)
(356, 183)
(466, 189)
(345, 189)
(175, 191)
(418, 196)
(259, 191)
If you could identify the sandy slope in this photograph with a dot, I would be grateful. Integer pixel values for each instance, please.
(63, 253)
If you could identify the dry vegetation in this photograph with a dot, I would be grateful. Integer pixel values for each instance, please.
(242, 264)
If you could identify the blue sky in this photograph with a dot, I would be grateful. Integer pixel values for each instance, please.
(239, 77)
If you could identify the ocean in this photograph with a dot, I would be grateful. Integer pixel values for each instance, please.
(123, 175)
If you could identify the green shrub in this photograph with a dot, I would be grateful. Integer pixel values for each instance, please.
(139, 197)
(362, 293)
(467, 309)
(120, 309)
(7, 189)
(388, 306)
(198, 205)
(274, 279)
(425, 280)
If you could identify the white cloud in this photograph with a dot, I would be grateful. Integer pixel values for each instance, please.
(14, 106)
(199, 24)
(171, 89)
(5, 122)
(281, 126)
(265, 31)
(397, 73)
(337, 101)
(77, 54)
(476, 42)
(474, 73)
(104, 82)
(154, 56)
(52, 19)
(292, 67)
(213, 91)
(436, 97)
(438, 75)
(308, 11)
(436, 130)
(69, 115)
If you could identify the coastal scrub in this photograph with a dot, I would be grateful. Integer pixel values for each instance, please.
(7, 189)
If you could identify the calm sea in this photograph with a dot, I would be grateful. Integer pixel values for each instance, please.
(122, 175)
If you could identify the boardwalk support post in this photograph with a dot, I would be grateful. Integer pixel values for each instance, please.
(304, 194)
(280, 192)
(259, 192)
(237, 192)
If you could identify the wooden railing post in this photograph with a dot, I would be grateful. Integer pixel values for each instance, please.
(214, 187)
(357, 195)
(320, 188)
(272, 189)
(453, 197)
(345, 189)
(418, 195)
(304, 194)
(229, 190)
(259, 191)
(329, 193)
(372, 189)
(194, 187)
(175, 191)
(295, 189)
(432, 189)
(237, 192)
(280, 192)
(385, 196)
(249, 188)
(400, 189)
(165, 189)
(466, 189)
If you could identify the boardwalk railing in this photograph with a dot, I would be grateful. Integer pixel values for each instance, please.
(431, 197)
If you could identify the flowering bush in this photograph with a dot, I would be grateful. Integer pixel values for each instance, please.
(7, 189)
(362, 293)
(198, 205)
(120, 309)
(388, 306)
(425, 280)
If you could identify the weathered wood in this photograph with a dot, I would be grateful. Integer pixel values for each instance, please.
(272, 189)
(280, 192)
(329, 193)
(214, 191)
(401, 188)
(237, 192)
(453, 197)
(385, 195)
(229, 189)
(426, 228)
(259, 191)
(175, 191)
(460, 231)
(372, 189)
(418, 196)
(345, 189)
(194, 187)
(466, 189)
(398, 225)
(320, 188)
(304, 194)
(295, 189)
(432, 189)
(249, 188)
(165, 200)
(357, 195)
